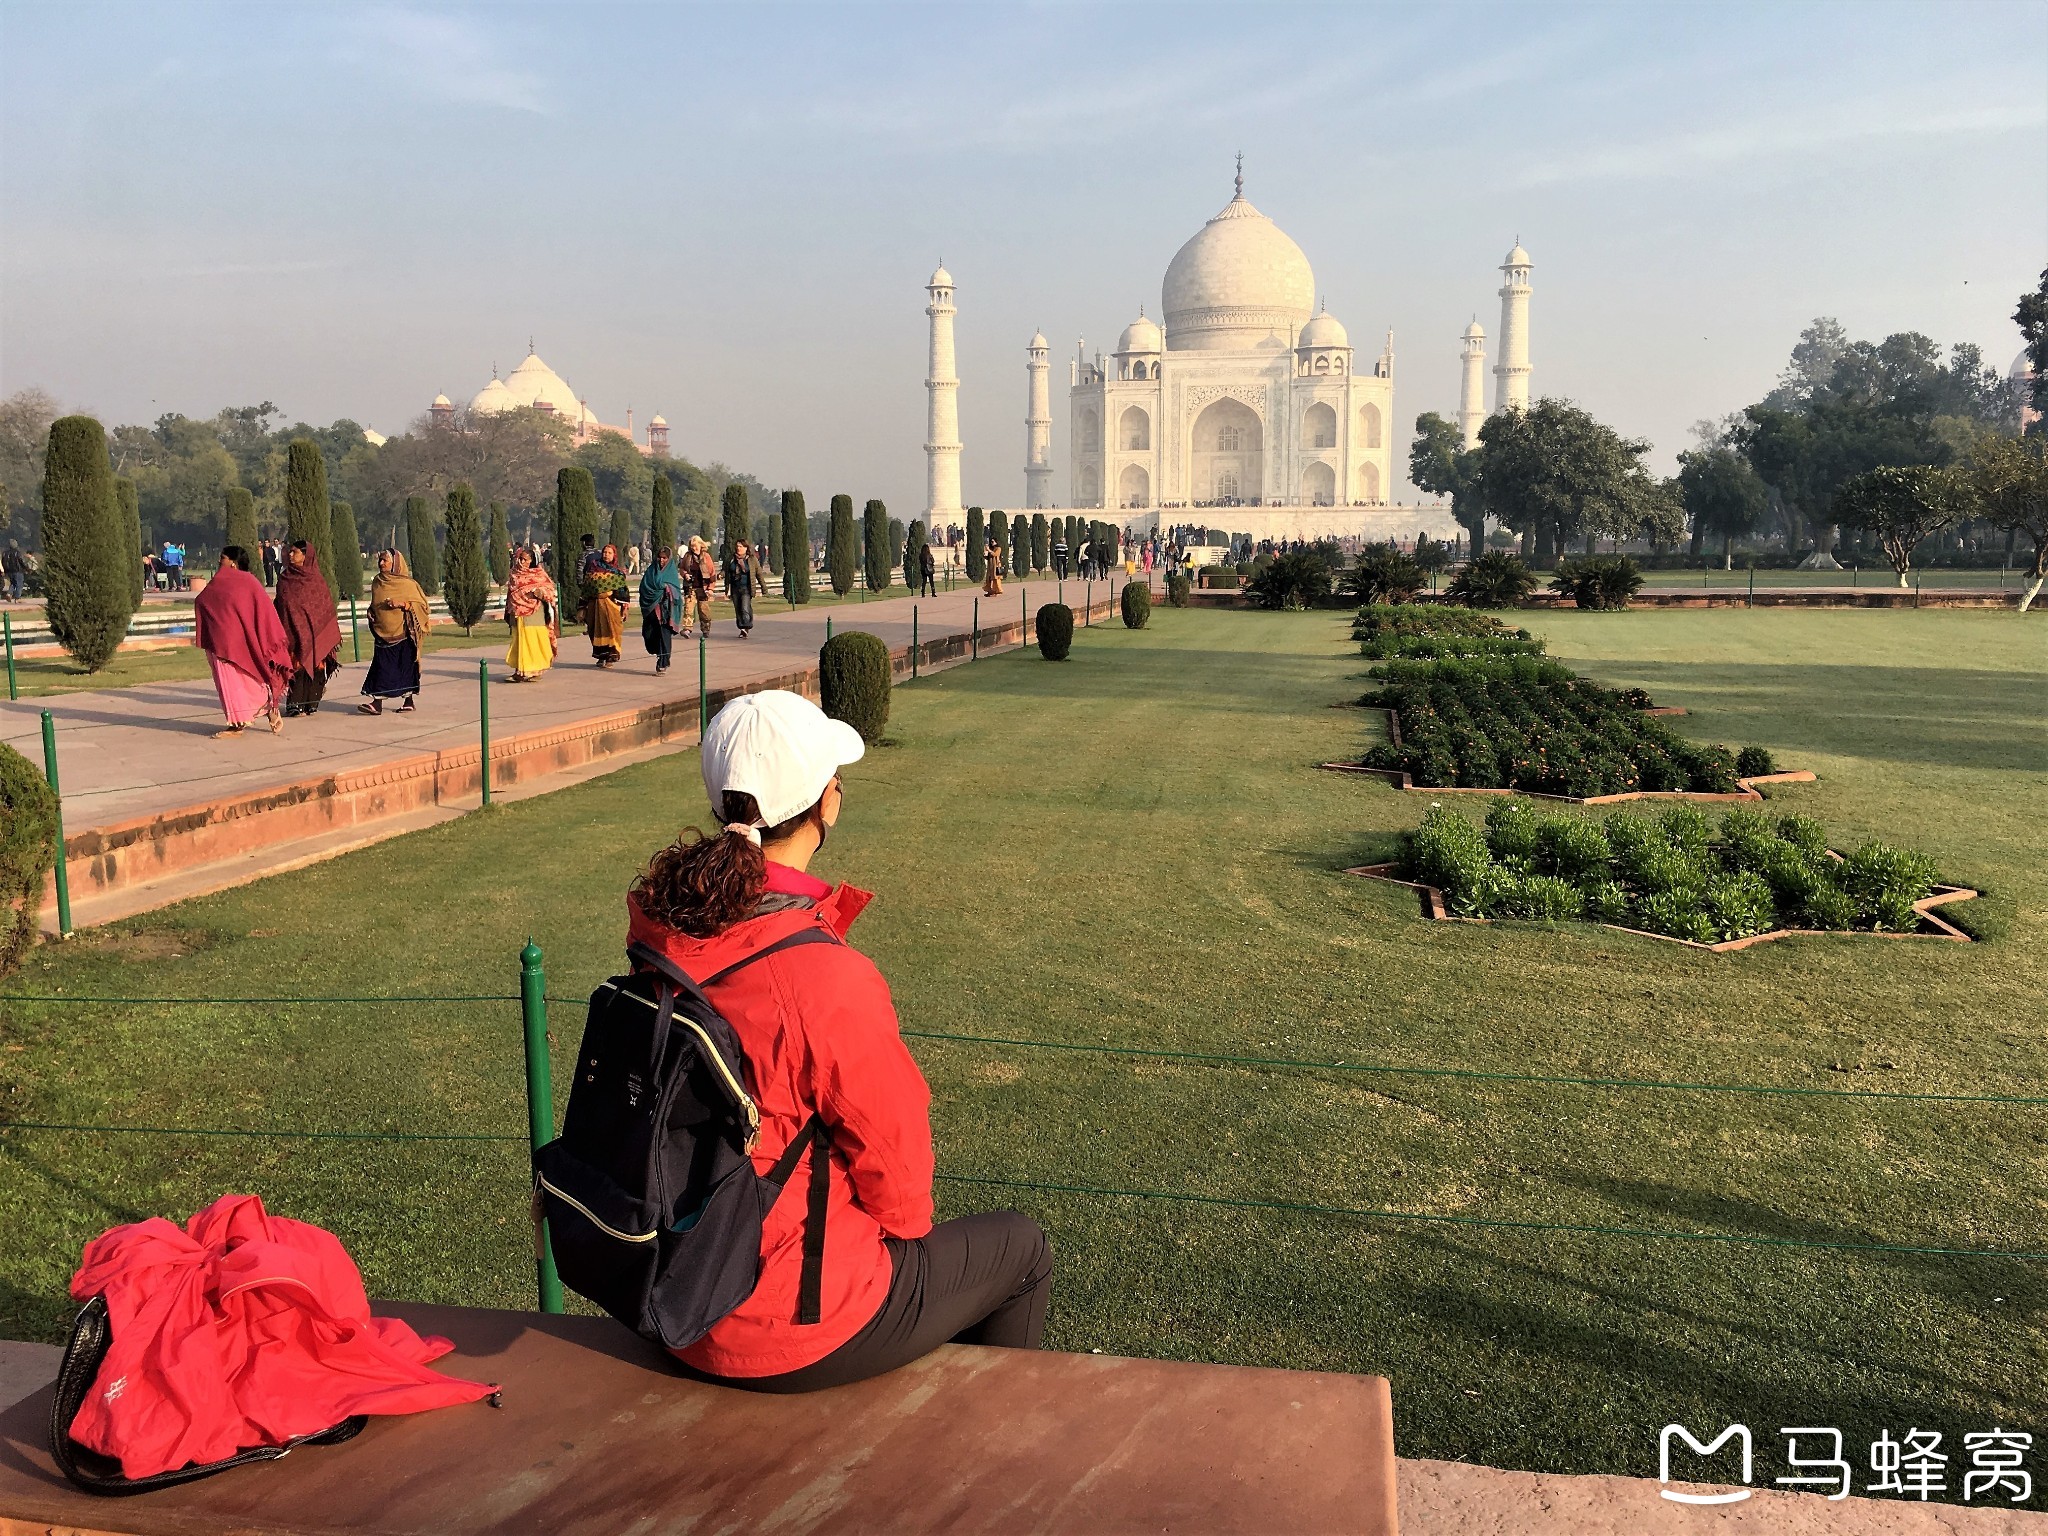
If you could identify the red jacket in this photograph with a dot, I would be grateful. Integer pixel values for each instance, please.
(238, 1330)
(820, 1035)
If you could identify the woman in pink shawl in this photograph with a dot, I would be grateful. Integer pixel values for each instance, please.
(244, 643)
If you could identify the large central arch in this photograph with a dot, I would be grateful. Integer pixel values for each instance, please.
(1227, 454)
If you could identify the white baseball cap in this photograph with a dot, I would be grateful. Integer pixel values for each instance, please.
(778, 747)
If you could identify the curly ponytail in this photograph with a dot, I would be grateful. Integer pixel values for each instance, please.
(703, 885)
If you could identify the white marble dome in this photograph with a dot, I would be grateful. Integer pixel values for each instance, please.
(2022, 367)
(1240, 283)
(1141, 335)
(1476, 331)
(491, 399)
(444, 401)
(1518, 257)
(1323, 331)
(533, 382)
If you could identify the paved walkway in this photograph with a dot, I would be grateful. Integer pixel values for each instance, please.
(128, 752)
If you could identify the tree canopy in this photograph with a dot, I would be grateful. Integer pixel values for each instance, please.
(1554, 472)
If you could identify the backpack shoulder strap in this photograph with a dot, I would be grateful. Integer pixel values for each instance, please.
(654, 960)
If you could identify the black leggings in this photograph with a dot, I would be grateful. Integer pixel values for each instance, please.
(982, 1279)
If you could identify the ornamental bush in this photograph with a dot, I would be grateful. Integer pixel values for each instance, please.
(241, 519)
(1176, 589)
(661, 522)
(1296, 581)
(1673, 873)
(839, 562)
(1055, 631)
(1597, 581)
(977, 540)
(796, 548)
(914, 543)
(1020, 545)
(1384, 574)
(1418, 632)
(28, 851)
(575, 515)
(85, 561)
(735, 519)
(131, 537)
(468, 590)
(853, 681)
(307, 514)
(620, 535)
(999, 535)
(1041, 542)
(1754, 763)
(1136, 604)
(1495, 579)
(348, 547)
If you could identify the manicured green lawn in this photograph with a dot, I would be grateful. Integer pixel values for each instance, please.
(1132, 848)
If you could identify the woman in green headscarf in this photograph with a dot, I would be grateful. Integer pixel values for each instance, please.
(661, 607)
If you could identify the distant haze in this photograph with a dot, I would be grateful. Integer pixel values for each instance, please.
(727, 214)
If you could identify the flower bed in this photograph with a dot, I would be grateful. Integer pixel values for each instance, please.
(1414, 631)
(1670, 876)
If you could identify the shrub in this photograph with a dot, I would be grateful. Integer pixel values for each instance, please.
(1055, 631)
(1041, 542)
(839, 546)
(1510, 831)
(1294, 581)
(468, 591)
(1493, 580)
(796, 549)
(1686, 828)
(28, 850)
(913, 544)
(1830, 907)
(1635, 698)
(1754, 762)
(348, 547)
(131, 537)
(1176, 590)
(85, 566)
(977, 538)
(1545, 898)
(1572, 848)
(419, 545)
(1678, 914)
(1448, 852)
(1218, 577)
(306, 512)
(1805, 834)
(1885, 882)
(853, 681)
(875, 545)
(1740, 904)
(1020, 545)
(620, 536)
(1136, 604)
(1598, 581)
(999, 535)
(241, 519)
(575, 515)
(734, 517)
(1384, 575)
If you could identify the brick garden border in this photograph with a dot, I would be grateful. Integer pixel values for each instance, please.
(1933, 926)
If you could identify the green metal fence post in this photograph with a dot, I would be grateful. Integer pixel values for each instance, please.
(1752, 587)
(1023, 615)
(56, 793)
(7, 619)
(974, 643)
(540, 1107)
(828, 627)
(1916, 589)
(1088, 605)
(355, 630)
(483, 724)
(913, 642)
(703, 689)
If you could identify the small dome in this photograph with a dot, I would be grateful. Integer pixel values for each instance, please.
(1518, 257)
(1323, 331)
(2022, 366)
(941, 278)
(1038, 341)
(374, 438)
(1475, 331)
(491, 399)
(1141, 335)
(658, 421)
(442, 401)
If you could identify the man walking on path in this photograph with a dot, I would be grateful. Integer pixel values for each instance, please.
(927, 572)
(12, 568)
(1059, 556)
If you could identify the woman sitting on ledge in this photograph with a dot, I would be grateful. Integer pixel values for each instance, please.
(821, 1037)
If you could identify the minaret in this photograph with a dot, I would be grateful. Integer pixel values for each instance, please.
(1472, 397)
(1038, 426)
(1511, 373)
(942, 435)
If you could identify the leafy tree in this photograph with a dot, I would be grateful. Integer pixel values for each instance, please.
(419, 545)
(85, 568)
(2032, 319)
(874, 536)
(25, 418)
(839, 563)
(348, 546)
(1440, 463)
(735, 513)
(1041, 542)
(661, 514)
(241, 518)
(1901, 506)
(2011, 476)
(306, 512)
(575, 515)
(913, 546)
(999, 531)
(1553, 472)
(620, 474)
(1723, 496)
(468, 589)
(796, 549)
(977, 538)
(498, 540)
(131, 533)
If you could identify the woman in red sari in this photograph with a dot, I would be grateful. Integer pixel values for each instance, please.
(244, 643)
(307, 610)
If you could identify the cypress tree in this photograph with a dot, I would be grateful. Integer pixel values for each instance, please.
(839, 547)
(1073, 537)
(1020, 544)
(913, 542)
(768, 544)
(874, 539)
(575, 515)
(348, 549)
(500, 542)
(896, 534)
(419, 545)
(84, 571)
(620, 536)
(468, 590)
(661, 515)
(1041, 542)
(241, 519)
(977, 556)
(796, 548)
(999, 533)
(131, 534)
(735, 515)
(306, 513)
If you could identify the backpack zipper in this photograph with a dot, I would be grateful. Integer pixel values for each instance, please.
(592, 1217)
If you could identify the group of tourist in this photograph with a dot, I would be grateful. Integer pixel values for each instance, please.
(271, 657)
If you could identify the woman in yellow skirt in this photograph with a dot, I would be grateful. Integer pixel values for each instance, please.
(533, 611)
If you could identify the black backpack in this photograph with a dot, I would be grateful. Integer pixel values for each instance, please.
(650, 1192)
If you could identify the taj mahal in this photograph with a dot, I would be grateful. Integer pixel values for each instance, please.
(1243, 407)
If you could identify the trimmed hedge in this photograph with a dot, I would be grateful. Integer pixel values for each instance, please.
(1135, 604)
(1527, 723)
(1411, 631)
(28, 851)
(853, 681)
(1055, 631)
(1176, 589)
(1667, 874)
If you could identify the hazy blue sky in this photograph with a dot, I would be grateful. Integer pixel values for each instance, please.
(727, 213)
